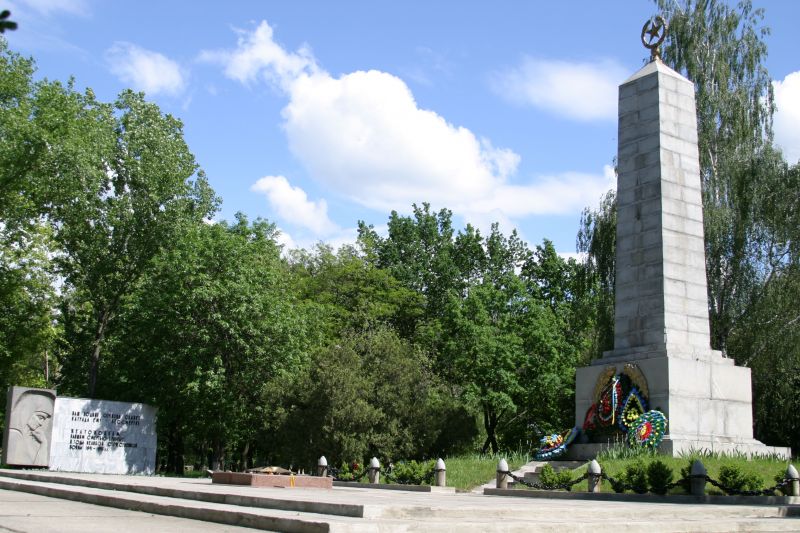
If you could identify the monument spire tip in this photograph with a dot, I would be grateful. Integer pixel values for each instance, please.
(654, 32)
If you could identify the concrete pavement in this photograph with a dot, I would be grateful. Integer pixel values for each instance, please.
(31, 513)
(357, 509)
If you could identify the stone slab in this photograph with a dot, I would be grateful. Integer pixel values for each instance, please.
(272, 480)
(28, 426)
(105, 437)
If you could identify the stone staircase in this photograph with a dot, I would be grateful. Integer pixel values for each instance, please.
(348, 509)
(530, 472)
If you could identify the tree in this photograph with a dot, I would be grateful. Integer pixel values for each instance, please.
(371, 393)
(216, 319)
(27, 296)
(418, 252)
(350, 293)
(115, 208)
(596, 241)
(721, 49)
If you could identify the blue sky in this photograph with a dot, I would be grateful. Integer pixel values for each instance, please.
(317, 114)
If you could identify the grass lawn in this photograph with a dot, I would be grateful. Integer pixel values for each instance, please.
(465, 472)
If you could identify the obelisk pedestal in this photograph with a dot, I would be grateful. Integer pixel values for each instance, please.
(661, 306)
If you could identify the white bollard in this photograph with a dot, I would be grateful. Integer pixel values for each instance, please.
(502, 474)
(794, 485)
(595, 475)
(322, 467)
(374, 471)
(440, 473)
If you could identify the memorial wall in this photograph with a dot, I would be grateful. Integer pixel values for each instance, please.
(77, 434)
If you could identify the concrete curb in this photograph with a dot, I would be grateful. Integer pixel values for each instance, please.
(178, 509)
(789, 501)
(387, 486)
(301, 506)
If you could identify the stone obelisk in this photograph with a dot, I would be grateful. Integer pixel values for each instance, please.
(661, 307)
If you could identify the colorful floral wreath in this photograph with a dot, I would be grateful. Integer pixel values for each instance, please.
(620, 403)
(555, 445)
(648, 430)
(633, 407)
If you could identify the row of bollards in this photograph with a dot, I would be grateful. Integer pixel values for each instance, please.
(374, 471)
(697, 477)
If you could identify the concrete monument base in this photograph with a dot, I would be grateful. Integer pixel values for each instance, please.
(706, 398)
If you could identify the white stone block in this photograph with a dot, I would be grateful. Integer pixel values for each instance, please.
(103, 437)
(28, 422)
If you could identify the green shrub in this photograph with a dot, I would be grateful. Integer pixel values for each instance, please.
(412, 472)
(551, 478)
(659, 475)
(685, 481)
(732, 478)
(636, 476)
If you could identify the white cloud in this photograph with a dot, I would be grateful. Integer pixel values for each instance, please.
(257, 53)
(580, 91)
(787, 116)
(292, 205)
(48, 7)
(145, 70)
(363, 135)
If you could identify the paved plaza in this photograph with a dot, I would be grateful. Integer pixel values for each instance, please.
(140, 503)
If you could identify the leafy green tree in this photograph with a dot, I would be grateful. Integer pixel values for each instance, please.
(722, 50)
(371, 393)
(110, 181)
(596, 242)
(112, 222)
(350, 293)
(27, 294)
(217, 320)
(418, 252)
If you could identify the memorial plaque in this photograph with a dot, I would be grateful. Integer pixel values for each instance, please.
(103, 437)
(29, 415)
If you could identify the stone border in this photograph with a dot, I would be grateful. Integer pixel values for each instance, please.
(395, 486)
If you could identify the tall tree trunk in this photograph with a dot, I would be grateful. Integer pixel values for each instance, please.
(218, 455)
(246, 456)
(175, 459)
(100, 334)
(490, 424)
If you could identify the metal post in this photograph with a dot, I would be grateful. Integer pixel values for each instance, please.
(502, 474)
(374, 471)
(322, 467)
(440, 473)
(698, 478)
(595, 475)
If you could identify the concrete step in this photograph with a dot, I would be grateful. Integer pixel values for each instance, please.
(265, 519)
(356, 510)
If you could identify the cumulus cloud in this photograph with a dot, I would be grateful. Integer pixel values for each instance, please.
(363, 135)
(256, 54)
(145, 70)
(580, 91)
(787, 116)
(292, 205)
